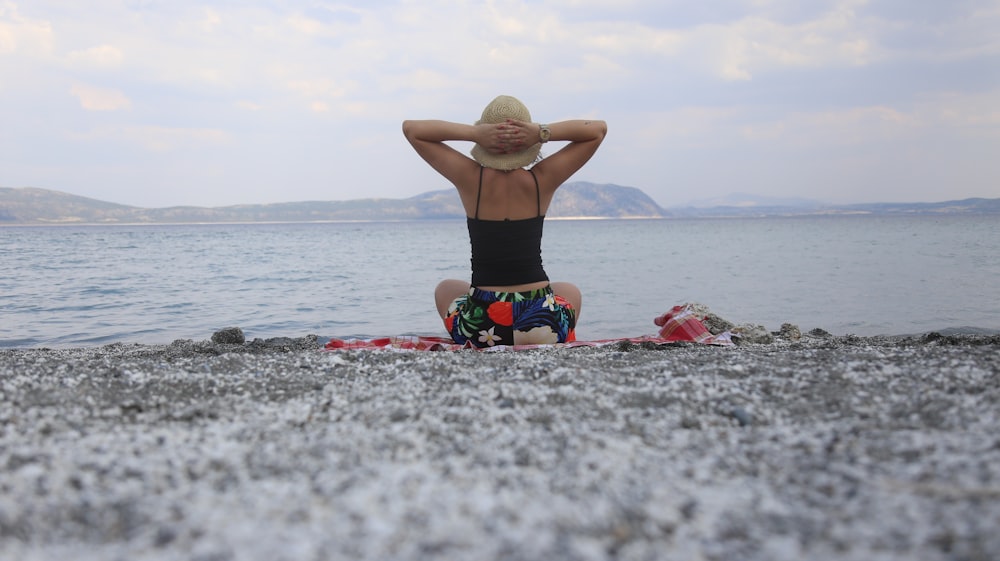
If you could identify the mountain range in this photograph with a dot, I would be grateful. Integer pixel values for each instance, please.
(28, 205)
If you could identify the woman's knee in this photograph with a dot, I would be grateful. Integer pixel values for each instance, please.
(446, 292)
(571, 293)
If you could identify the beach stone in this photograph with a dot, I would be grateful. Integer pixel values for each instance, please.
(698, 309)
(790, 331)
(229, 336)
(285, 344)
(742, 416)
(753, 334)
(690, 422)
(716, 324)
(838, 448)
(713, 322)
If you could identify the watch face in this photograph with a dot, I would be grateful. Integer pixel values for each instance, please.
(544, 133)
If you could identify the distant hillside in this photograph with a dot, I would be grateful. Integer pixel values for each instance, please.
(739, 205)
(582, 199)
(579, 199)
(41, 206)
(28, 206)
(750, 200)
(574, 200)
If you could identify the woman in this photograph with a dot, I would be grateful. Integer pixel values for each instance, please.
(510, 300)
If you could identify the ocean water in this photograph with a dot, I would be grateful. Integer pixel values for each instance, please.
(66, 286)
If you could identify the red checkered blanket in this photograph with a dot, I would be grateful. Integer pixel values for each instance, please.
(680, 323)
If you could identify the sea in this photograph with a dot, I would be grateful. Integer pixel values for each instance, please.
(79, 286)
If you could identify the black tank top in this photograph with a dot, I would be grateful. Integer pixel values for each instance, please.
(506, 252)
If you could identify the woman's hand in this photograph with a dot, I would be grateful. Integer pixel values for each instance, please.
(507, 137)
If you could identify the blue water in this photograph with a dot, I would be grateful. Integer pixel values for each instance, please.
(87, 285)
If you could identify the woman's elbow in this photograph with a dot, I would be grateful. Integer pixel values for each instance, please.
(600, 130)
(408, 129)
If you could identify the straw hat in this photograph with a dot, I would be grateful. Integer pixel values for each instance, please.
(499, 110)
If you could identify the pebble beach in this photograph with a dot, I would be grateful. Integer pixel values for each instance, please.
(815, 447)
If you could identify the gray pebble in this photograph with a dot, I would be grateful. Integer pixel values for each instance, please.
(229, 336)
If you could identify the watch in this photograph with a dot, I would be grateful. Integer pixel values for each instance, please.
(544, 133)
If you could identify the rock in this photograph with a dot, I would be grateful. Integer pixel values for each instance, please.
(790, 331)
(698, 309)
(741, 416)
(754, 334)
(690, 422)
(711, 321)
(716, 324)
(837, 448)
(229, 336)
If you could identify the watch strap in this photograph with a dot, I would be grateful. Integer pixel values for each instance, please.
(544, 133)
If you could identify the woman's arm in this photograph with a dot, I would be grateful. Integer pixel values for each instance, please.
(428, 139)
(584, 137)
(579, 130)
(437, 131)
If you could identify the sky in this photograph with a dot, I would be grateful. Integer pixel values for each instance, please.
(179, 102)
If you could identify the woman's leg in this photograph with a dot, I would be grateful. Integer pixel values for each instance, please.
(570, 293)
(446, 292)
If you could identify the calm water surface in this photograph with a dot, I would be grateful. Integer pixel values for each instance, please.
(89, 285)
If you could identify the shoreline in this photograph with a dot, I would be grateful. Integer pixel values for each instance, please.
(309, 341)
(837, 447)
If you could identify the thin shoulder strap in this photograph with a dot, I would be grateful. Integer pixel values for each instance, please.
(538, 191)
(480, 193)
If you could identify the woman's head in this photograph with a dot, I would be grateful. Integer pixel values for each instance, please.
(499, 110)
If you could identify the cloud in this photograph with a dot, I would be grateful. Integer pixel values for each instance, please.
(102, 56)
(706, 82)
(211, 20)
(928, 117)
(318, 87)
(737, 50)
(19, 34)
(93, 98)
(689, 126)
(791, 131)
(378, 51)
(162, 139)
(978, 111)
(156, 138)
(849, 127)
(304, 25)
(249, 105)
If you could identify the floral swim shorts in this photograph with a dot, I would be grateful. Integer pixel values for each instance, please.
(487, 319)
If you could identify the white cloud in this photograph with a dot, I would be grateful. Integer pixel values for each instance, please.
(980, 111)
(93, 98)
(211, 20)
(304, 25)
(156, 138)
(249, 105)
(925, 117)
(739, 49)
(422, 79)
(102, 56)
(318, 87)
(161, 139)
(692, 126)
(706, 126)
(19, 34)
(854, 126)
(721, 79)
